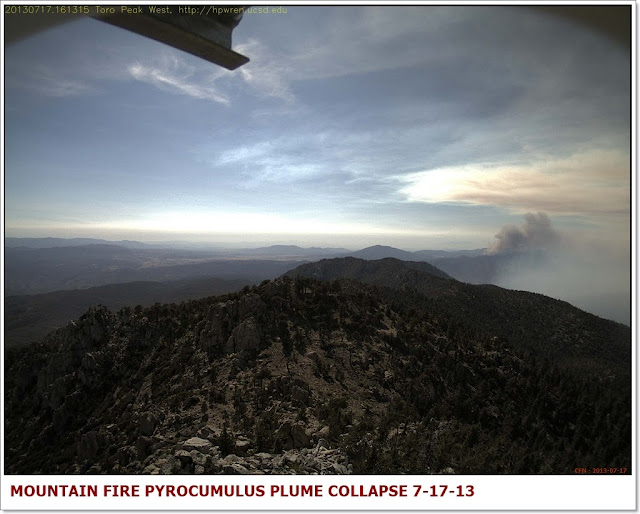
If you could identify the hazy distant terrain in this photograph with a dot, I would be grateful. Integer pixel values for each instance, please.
(43, 270)
(43, 265)
(28, 318)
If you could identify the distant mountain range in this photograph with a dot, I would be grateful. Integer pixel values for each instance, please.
(43, 265)
(295, 250)
(57, 242)
(39, 265)
(382, 252)
(369, 253)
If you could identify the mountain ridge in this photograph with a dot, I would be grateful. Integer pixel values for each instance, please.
(503, 311)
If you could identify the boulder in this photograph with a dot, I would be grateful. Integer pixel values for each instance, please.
(300, 437)
(292, 435)
(323, 433)
(197, 443)
(242, 446)
(184, 456)
(172, 466)
(235, 469)
(199, 459)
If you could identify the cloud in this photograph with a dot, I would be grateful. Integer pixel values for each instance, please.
(51, 86)
(591, 182)
(173, 75)
(282, 160)
(345, 41)
(49, 82)
(55, 65)
(264, 74)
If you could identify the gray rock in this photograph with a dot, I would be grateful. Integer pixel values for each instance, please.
(198, 458)
(299, 435)
(323, 443)
(197, 443)
(184, 456)
(235, 469)
(242, 445)
(172, 466)
(323, 433)
(250, 305)
(292, 436)
(230, 459)
(151, 469)
(245, 336)
(339, 469)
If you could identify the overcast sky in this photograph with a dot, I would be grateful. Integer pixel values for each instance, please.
(419, 127)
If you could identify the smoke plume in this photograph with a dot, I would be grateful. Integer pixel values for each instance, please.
(536, 232)
(593, 274)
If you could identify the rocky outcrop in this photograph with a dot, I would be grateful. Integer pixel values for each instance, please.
(305, 461)
(250, 304)
(292, 436)
(198, 444)
(246, 336)
(292, 389)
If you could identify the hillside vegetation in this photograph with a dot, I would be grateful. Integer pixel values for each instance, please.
(299, 375)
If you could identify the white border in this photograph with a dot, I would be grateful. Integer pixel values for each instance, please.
(565, 492)
(490, 493)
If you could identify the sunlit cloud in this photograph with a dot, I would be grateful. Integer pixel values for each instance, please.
(593, 182)
(284, 160)
(245, 153)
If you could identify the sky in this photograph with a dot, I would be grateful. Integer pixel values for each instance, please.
(420, 127)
